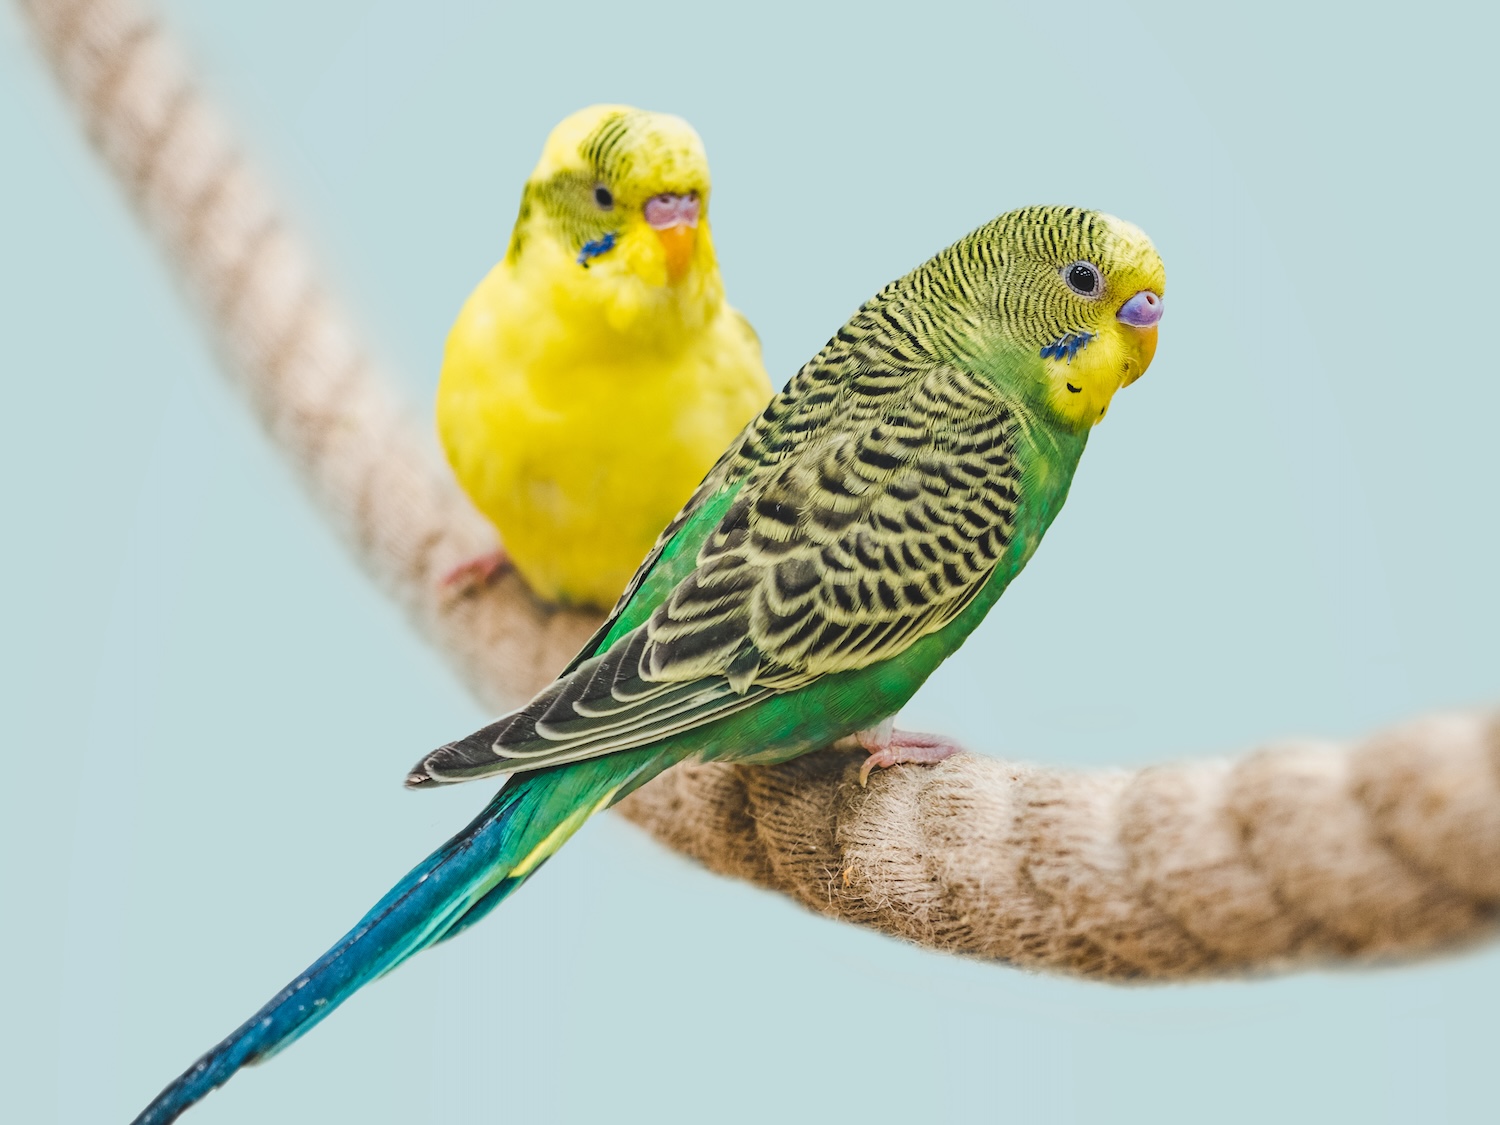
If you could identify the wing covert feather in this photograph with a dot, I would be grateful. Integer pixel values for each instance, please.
(879, 529)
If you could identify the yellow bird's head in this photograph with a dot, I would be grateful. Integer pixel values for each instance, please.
(622, 194)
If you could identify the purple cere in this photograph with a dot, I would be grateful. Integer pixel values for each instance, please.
(1141, 311)
(671, 210)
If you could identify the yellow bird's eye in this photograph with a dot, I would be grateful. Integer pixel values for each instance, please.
(1083, 278)
(604, 197)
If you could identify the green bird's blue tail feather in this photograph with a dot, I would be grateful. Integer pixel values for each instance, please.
(461, 882)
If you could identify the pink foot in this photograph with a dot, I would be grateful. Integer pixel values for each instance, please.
(891, 747)
(477, 573)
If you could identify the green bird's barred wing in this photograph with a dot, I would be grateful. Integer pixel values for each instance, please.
(864, 509)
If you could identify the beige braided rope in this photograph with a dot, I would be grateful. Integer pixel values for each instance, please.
(308, 378)
(1295, 853)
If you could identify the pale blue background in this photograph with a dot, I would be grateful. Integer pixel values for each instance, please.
(1288, 527)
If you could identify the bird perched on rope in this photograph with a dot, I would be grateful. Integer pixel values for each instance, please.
(843, 546)
(596, 372)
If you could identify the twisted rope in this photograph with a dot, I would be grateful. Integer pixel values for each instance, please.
(309, 380)
(1295, 853)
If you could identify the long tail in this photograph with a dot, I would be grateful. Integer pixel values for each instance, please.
(529, 819)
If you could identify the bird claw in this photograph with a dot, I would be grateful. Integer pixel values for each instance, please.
(478, 572)
(890, 747)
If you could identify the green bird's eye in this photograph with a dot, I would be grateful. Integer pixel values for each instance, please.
(604, 197)
(1083, 278)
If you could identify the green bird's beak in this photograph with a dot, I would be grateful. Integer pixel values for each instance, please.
(1142, 313)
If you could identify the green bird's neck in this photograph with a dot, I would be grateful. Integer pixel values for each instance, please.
(1025, 384)
(1048, 454)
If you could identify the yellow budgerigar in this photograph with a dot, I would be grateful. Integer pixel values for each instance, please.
(597, 372)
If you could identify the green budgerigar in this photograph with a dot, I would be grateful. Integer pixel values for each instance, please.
(844, 545)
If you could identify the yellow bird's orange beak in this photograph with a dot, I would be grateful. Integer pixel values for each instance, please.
(678, 242)
(675, 219)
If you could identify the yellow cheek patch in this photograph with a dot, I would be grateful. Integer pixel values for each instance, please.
(1081, 385)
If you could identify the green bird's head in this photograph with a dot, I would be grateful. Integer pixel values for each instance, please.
(620, 196)
(1059, 303)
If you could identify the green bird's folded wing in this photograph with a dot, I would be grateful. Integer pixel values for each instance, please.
(862, 511)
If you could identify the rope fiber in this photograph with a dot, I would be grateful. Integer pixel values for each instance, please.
(1296, 853)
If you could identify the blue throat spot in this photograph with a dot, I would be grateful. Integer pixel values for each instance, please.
(595, 248)
(1067, 347)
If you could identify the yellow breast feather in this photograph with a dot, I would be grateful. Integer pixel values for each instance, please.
(596, 373)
